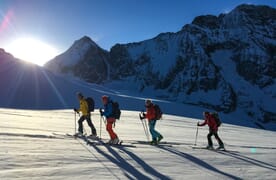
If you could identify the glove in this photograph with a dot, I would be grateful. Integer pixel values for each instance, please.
(101, 111)
(197, 123)
(144, 115)
(75, 110)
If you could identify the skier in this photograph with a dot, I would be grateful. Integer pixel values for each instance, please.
(213, 130)
(85, 116)
(108, 113)
(151, 116)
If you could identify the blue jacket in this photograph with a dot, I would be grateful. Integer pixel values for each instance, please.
(108, 109)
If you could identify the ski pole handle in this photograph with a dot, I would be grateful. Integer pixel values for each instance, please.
(141, 118)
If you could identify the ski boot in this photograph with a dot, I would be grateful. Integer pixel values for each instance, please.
(159, 138)
(93, 137)
(221, 147)
(210, 147)
(154, 142)
(79, 134)
(116, 141)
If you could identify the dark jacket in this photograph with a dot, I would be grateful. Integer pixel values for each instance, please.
(210, 121)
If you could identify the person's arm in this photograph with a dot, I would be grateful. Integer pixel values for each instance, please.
(203, 123)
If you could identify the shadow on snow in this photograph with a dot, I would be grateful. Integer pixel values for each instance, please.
(118, 160)
(197, 161)
(249, 160)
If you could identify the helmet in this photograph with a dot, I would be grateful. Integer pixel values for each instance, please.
(148, 102)
(79, 94)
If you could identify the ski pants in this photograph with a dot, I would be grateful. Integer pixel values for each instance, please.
(89, 122)
(109, 128)
(215, 133)
(154, 134)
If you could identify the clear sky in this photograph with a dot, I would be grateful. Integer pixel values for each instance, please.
(58, 23)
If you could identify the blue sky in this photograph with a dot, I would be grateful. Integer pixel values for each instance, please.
(61, 22)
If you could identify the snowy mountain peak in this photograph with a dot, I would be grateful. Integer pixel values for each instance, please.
(207, 21)
(83, 42)
(254, 10)
(83, 54)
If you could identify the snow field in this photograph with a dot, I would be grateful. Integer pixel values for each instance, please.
(29, 149)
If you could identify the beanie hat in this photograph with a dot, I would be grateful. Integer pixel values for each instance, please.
(148, 101)
(104, 98)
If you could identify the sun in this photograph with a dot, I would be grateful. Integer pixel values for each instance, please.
(32, 50)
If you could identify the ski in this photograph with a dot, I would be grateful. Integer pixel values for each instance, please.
(164, 143)
(215, 149)
(211, 149)
(103, 143)
(158, 143)
(95, 141)
(63, 135)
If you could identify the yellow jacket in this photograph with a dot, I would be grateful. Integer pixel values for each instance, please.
(83, 107)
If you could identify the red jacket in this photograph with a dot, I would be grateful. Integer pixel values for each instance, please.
(150, 115)
(209, 119)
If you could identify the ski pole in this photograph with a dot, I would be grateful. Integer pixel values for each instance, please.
(102, 119)
(196, 135)
(75, 123)
(101, 127)
(145, 130)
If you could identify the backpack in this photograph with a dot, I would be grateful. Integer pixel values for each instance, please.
(158, 112)
(216, 117)
(91, 104)
(116, 112)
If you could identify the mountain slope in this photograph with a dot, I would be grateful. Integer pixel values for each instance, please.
(30, 150)
(190, 66)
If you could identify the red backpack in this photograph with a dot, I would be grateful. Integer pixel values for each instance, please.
(216, 118)
(158, 112)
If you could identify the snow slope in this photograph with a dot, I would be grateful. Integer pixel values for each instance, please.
(30, 150)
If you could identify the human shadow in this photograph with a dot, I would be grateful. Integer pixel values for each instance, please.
(249, 160)
(144, 165)
(128, 169)
(197, 161)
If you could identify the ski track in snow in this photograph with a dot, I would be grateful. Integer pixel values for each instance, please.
(31, 148)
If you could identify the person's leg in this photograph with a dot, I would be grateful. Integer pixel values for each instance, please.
(110, 131)
(218, 139)
(91, 125)
(209, 138)
(82, 118)
(155, 134)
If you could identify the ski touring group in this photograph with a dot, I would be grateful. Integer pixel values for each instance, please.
(111, 112)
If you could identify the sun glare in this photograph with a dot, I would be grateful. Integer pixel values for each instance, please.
(32, 50)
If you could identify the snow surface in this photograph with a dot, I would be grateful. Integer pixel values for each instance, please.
(33, 147)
